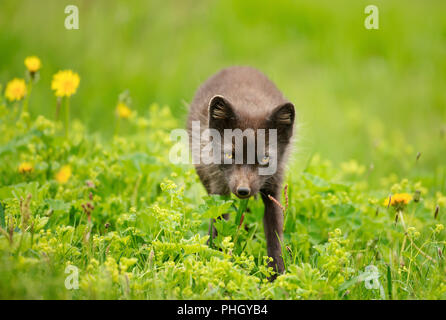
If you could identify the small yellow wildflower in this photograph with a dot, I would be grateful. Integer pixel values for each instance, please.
(125, 263)
(64, 174)
(398, 199)
(441, 199)
(411, 229)
(65, 83)
(439, 227)
(412, 232)
(123, 111)
(33, 64)
(15, 89)
(26, 167)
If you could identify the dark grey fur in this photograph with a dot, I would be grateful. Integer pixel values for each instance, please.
(243, 97)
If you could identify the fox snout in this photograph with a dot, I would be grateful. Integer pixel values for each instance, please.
(243, 192)
(244, 181)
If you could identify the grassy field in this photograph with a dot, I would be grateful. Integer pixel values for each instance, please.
(371, 111)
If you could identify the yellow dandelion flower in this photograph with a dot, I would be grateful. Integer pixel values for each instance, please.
(15, 90)
(33, 64)
(65, 83)
(398, 199)
(64, 174)
(123, 111)
(26, 167)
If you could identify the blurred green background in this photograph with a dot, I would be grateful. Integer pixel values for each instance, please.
(372, 95)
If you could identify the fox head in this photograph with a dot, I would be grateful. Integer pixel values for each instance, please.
(253, 145)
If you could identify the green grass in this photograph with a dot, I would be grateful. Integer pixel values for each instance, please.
(368, 102)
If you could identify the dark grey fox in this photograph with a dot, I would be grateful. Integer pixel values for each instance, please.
(244, 98)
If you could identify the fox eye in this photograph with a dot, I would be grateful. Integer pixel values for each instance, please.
(228, 155)
(264, 160)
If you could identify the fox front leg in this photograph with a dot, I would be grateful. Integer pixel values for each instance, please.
(273, 225)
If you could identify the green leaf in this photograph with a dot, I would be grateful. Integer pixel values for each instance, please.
(57, 205)
(2, 216)
(215, 206)
(389, 282)
(225, 228)
(41, 222)
(19, 142)
(243, 204)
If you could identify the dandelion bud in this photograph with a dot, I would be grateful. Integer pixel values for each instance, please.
(417, 195)
(289, 251)
(437, 209)
(378, 255)
(123, 111)
(26, 167)
(33, 64)
(390, 201)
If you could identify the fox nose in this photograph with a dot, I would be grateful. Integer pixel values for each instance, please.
(243, 192)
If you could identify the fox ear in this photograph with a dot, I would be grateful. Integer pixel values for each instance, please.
(220, 113)
(283, 115)
(282, 119)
